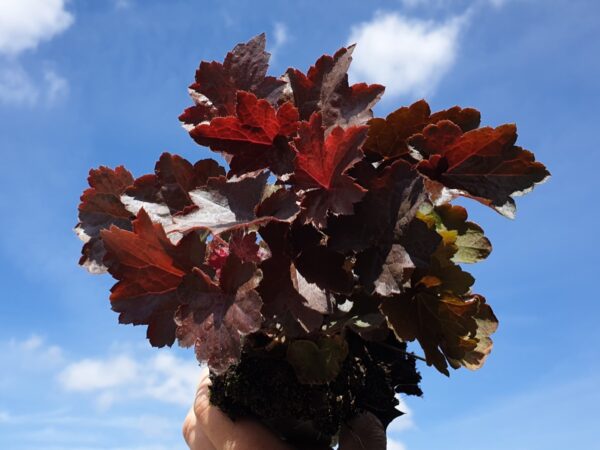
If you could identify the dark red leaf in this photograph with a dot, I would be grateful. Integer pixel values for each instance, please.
(318, 264)
(216, 316)
(245, 68)
(219, 205)
(167, 192)
(393, 195)
(451, 329)
(466, 118)
(282, 204)
(325, 89)
(244, 246)
(388, 137)
(373, 231)
(100, 208)
(288, 299)
(420, 241)
(483, 164)
(176, 177)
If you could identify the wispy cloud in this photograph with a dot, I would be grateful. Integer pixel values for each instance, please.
(65, 431)
(19, 88)
(412, 4)
(33, 352)
(123, 4)
(279, 38)
(407, 55)
(16, 86)
(57, 86)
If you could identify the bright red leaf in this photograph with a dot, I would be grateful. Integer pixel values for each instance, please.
(254, 137)
(149, 270)
(321, 165)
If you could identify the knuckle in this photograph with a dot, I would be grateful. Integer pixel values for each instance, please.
(188, 429)
(202, 402)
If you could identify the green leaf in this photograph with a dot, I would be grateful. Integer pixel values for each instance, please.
(317, 362)
(451, 223)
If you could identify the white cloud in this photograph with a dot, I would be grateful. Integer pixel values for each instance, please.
(392, 444)
(26, 23)
(409, 56)
(93, 375)
(405, 421)
(163, 377)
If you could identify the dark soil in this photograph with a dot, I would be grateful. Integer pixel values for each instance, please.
(264, 386)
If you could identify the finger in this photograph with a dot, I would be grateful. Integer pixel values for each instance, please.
(193, 434)
(224, 433)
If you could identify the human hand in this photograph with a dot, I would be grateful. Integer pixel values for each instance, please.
(207, 428)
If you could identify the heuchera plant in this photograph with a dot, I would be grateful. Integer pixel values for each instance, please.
(330, 240)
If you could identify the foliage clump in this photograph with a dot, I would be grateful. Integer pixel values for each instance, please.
(328, 241)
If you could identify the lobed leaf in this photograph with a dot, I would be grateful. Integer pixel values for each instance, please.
(451, 329)
(149, 270)
(320, 169)
(101, 208)
(317, 362)
(388, 138)
(483, 164)
(288, 298)
(325, 89)
(216, 85)
(215, 316)
(451, 223)
(255, 136)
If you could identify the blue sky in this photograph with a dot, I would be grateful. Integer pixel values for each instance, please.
(85, 83)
